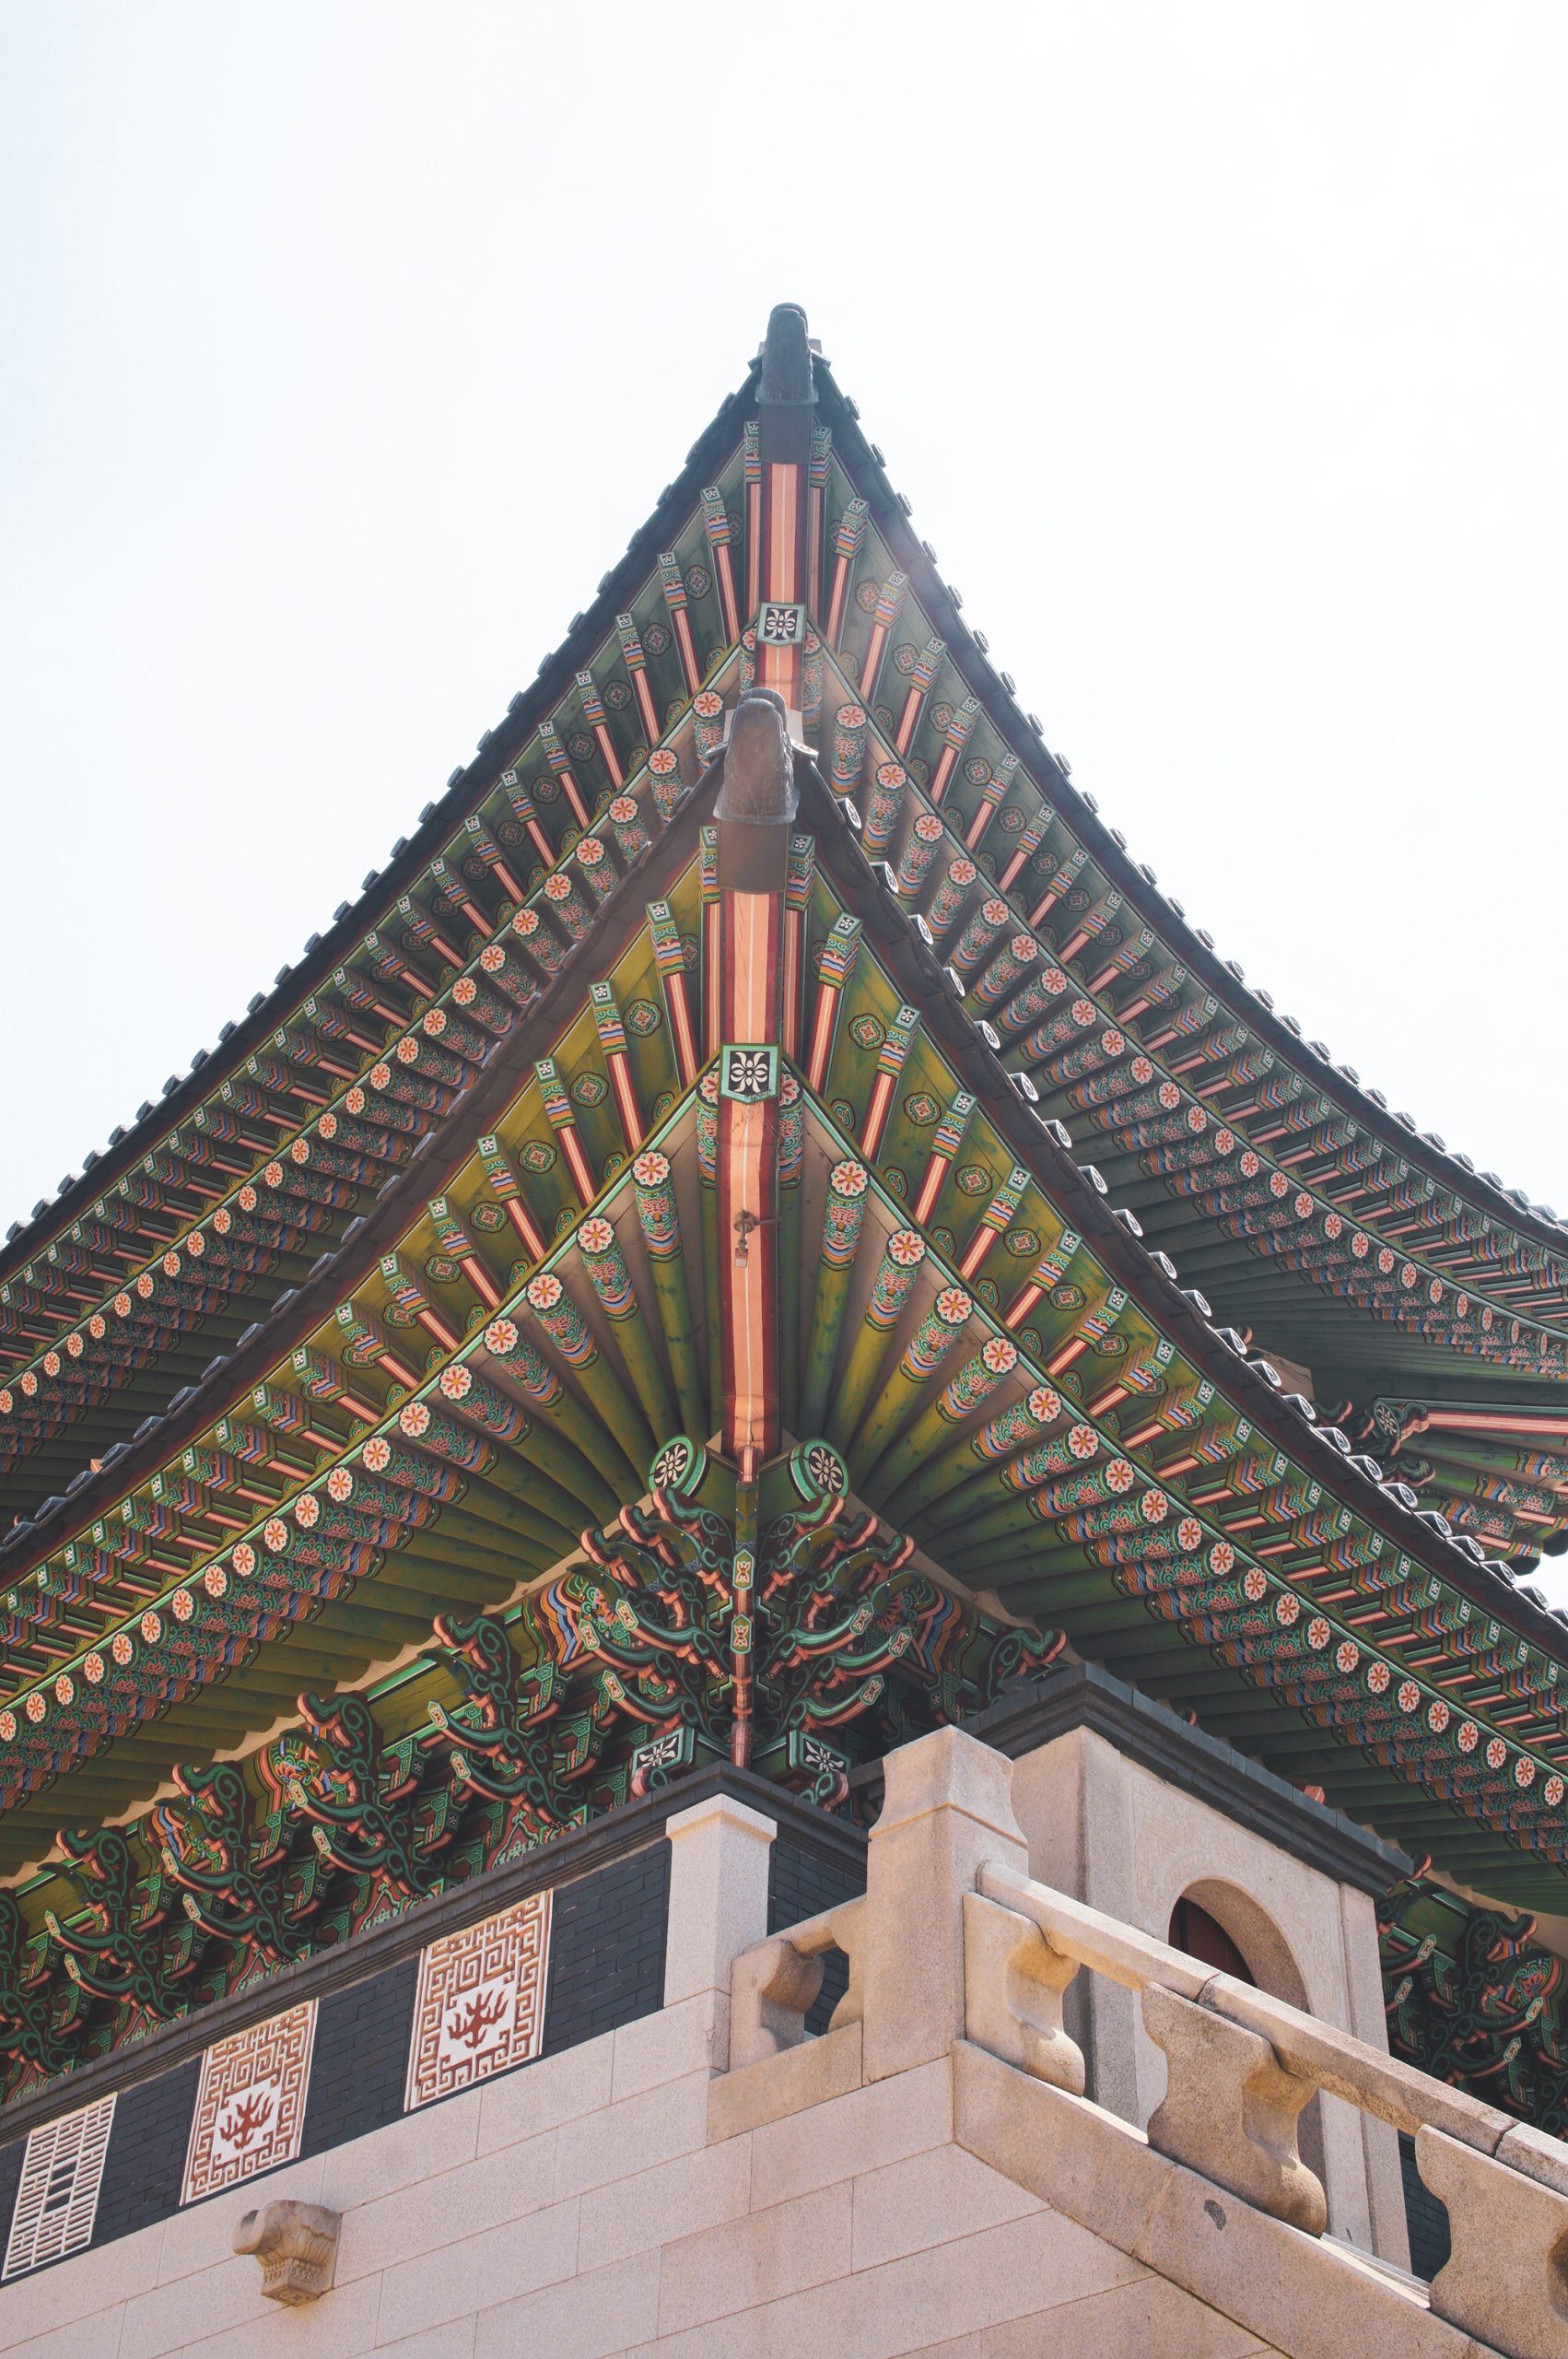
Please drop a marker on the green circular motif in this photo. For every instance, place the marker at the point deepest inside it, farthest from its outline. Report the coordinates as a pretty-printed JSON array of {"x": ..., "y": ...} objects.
[
  {"x": 487, "y": 1218},
  {"x": 536, "y": 1155},
  {"x": 564, "y": 1220},
  {"x": 893, "y": 1180},
  {"x": 614, "y": 1163},
  {"x": 843, "y": 1113},
  {"x": 1111, "y": 1347},
  {"x": 590, "y": 1089},
  {"x": 442, "y": 1270},
  {"x": 867, "y": 1033},
  {"x": 923, "y": 1109},
  {"x": 987, "y": 1290},
  {"x": 642, "y": 1017},
  {"x": 689, "y": 949},
  {"x": 661, "y": 1105},
  {"x": 944, "y": 1241},
  {"x": 1029, "y": 1341},
  {"x": 974, "y": 1178},
  {"x": 1067, "y": 1297},
  {"x": 1022, "y": 1240}
]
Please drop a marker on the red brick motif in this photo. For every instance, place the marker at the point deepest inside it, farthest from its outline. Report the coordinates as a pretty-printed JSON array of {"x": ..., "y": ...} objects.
[
  {"x": 480, "y": 2006},
  {"x": 249, "y": 2103}
]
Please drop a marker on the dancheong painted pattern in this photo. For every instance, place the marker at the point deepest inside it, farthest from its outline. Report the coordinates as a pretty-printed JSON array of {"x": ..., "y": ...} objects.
[{"x": 762, "y": 1227}]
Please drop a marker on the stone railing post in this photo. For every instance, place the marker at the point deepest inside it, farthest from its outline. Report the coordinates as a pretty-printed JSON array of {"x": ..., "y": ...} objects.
[
  {"x": 1230, "y": 2110},
  {"x": 718, "y": 1895},
  {"x": 947, "y": 1812},
  {"x": 774, "y": 1987},
  {"x": 1505, "y": 2279},
  {"x": 1014, "y": 1986}
]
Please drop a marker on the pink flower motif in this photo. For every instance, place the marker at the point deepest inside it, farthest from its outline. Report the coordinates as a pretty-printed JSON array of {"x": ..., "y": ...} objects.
[
  {"x": 1154, "y": 1506},
  {"x": 908, "y": 1248},
  {"x": 93, "y": 1668},
  {"x": 544, "y": 1291},
  {"x": 215, "y": 1580},
  {"x": 1287, "y": 1610},
  {"x": 1318, "y": 1634},
  {"x": 121, "y": 1648},
  {"x": 244, "y": 1560},
  {"x": 500, "y": 1337},
  {"x": 651, "y": 1170},
  {"x": 954, "y": 1306},
  {"x": 273, "y": 1174},
  {"x": 1222, "y": 1558},
  {"x": 414, "y": 1418},
  {"x": 1255, "y": 1584},
  {"x": 848, "y": 1179},
  {"x": 1045, "y": 1406},
  {"x": 182, "y": 1605},
  {"x": 457, "y": 1382},
  {"x": 465, "y": 991},
  {"x": 434, "y": 1022},
  {"x": 1496, "y": 1753},
  {"x": 34, "y": 1707},
  {"x": 307, "y": 1511},
  {"x": 1408, "y": 1695},
  {"x": 65, "y": 1689},
  {"x": 1083, "y": 1442},
  {"x": 1379, "y": 1678},
  {"x": 596, "y": 1236},
  {"x": 406, "y": 1049},
  {"x": 1437, "y": 1716},
  {"x": 998, "y": 1353},
  {"x": 275, "y": 1534},
  {"x": 1524, "y": 1771},
  {"x": 151, "y": 1627},
  {"x": 375, "y": 1454},
  {"x": 1120, "y": 1477},
  {"x": 1346, "y": 1654}
]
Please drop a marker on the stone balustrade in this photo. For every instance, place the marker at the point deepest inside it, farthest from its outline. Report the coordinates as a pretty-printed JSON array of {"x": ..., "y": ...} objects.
[{"x": 955, "y": 1944}]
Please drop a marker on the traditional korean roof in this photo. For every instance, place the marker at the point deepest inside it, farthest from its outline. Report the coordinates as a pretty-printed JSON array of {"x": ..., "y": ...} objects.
[{"x": 717, "y": 1323}]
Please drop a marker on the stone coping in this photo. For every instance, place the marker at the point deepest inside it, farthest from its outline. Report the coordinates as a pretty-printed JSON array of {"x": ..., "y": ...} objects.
[
  {"x": 1083, "y": 1696},
  {"x": 630, "y": 1827}
]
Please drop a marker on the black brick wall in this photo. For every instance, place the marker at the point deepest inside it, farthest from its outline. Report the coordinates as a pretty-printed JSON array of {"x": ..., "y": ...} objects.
[
  {"x": 606, "y": 1969},
  {"x": 361, "y": 2058},
  {"x": 801, "y": 1882},
  {"x": 607, "y": 1948},
  {"x": 146, "y": 2161},
  {"x": 1425, "y": 2217}
]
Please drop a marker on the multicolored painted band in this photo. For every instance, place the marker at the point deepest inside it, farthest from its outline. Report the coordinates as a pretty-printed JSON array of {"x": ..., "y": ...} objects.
[
  {"x": 708, "y": 724},
  {"x": 632, "y": 838},
  {"x": 844, "y": 1215},
  {"x": 792, "y": 1131},
  {"x": 547, "y": 953},
  {"x": 567, "y": 905},
  {"x": 977, "y": 1379},
  {"x": 921, "y": 848},
  {"x": 561, "y": 1319},
  {"x": 951, "y": 894},
  {"x": 665, "y": 778},
  {"x": 1011, "y": 963},
  {"x": 504, "y": 1340},
  {"x": 978, "y": 937},
  {"x": 606, "y": 1267},
  {"x": 850, "y": 731},
  {"x": 934, "y": 1337},
  {"x": 656, "y": 1208},
  {"x": 885, "y": 802},
  {"x": 901, "y": 1259}
]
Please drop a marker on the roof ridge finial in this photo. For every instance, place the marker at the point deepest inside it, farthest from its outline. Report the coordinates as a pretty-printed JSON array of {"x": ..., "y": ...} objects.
[{"x": 787, "y": 356}]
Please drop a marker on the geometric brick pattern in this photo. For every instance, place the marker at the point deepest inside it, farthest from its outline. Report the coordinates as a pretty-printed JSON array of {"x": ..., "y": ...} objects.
[
  {"x": 250, "y": 2102},
  {"x": 57, "y": 2199},
  {"x": 480, "y": 2005}
]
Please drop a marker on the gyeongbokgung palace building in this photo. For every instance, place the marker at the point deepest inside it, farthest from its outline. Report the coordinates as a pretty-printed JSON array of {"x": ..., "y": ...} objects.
[{"x": 760, "y": 1575}]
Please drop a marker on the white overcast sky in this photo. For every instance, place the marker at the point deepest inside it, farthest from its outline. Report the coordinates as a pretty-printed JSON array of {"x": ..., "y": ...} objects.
[{"x": 1219, "y": 348}]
